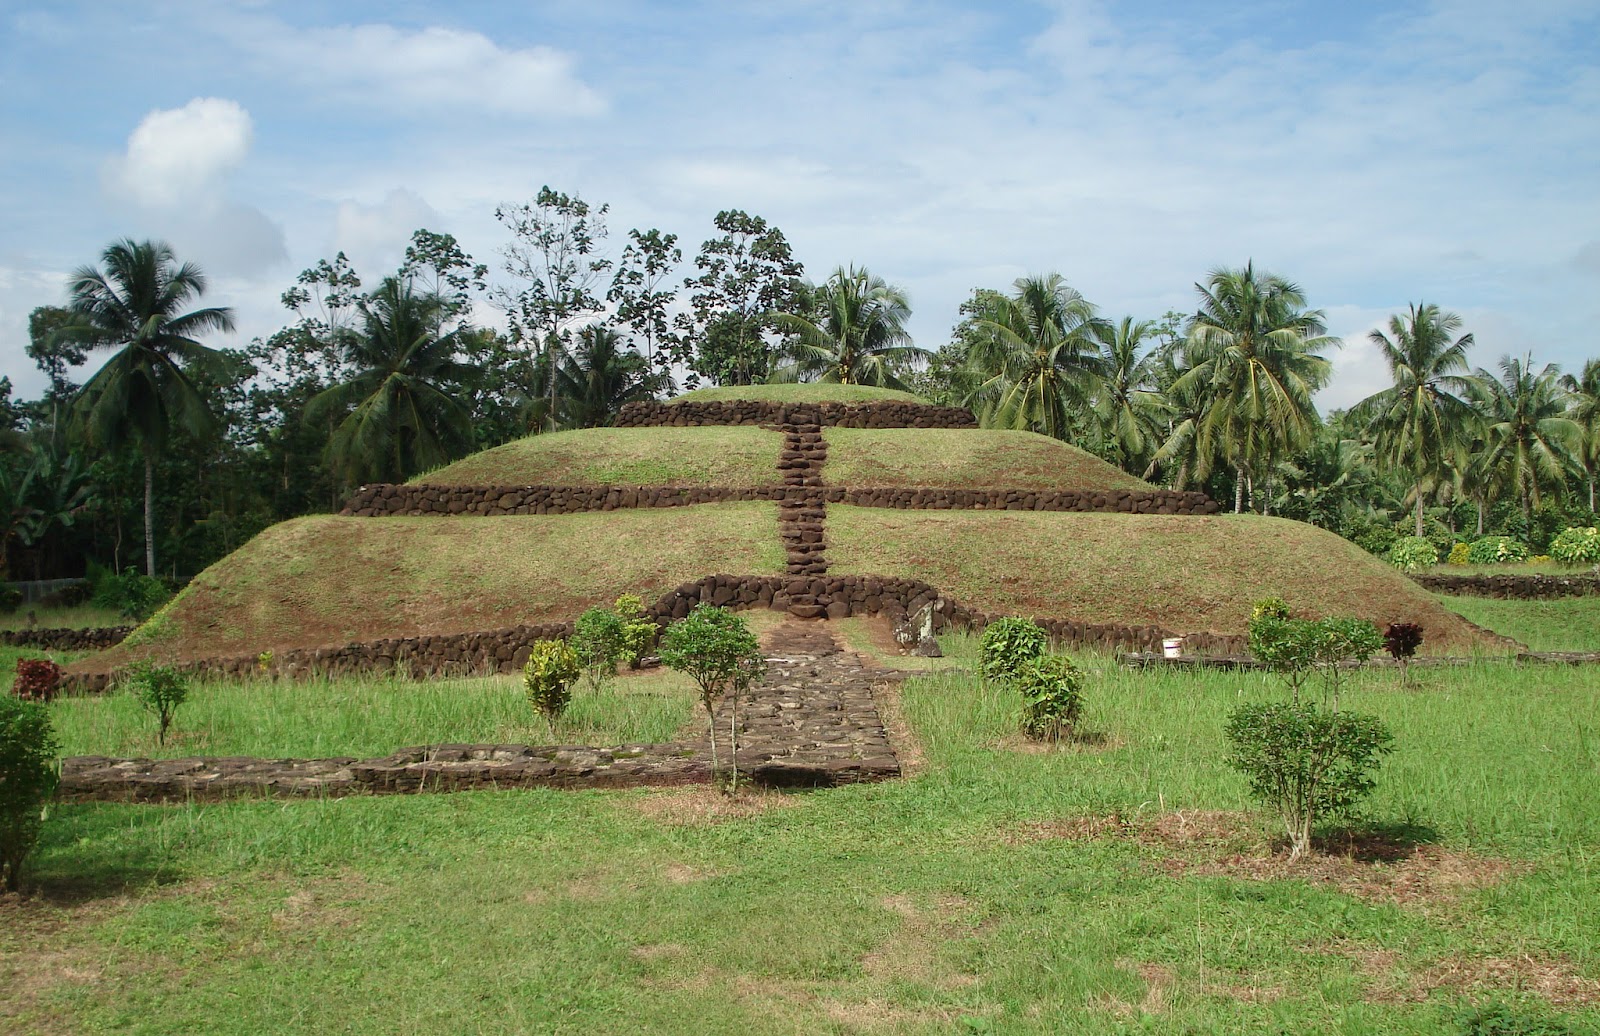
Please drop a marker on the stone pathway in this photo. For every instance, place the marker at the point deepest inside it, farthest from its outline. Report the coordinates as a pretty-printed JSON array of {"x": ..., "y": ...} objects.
[{"x": 812, "y": 723}]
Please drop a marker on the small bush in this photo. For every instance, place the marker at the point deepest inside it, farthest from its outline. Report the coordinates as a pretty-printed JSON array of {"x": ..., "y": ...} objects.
[
  {"x": 1306, "y": 762},
  {"x": 1459, "y": 555},
  {"x": 718, "y": 651},
  {"x": 1008, "y": 645},
  {"x": 598, "y": 639},
  {"x": 130, "y": 593},
  {"x": 1413, "y": 554},
  {"x": 10, "y": 599},
  {"x": 37, "y": 679},
  {"x": 1497, "y": 550},
  {"x": 28, "y": 777},
  {"x": 1052, "y": 696},
  {"x": 638, "y": 632},
  {"x": 159, "y": 688},
  {"x": 1402, "y": 639},
  {"x": 552, "y": 669},
  {"x": 1577, "y": 546}
]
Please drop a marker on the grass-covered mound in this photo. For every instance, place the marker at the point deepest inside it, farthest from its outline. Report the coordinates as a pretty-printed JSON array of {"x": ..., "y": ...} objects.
[
  {"x": 717, "y": 456},
  {"x": 327, "y": 580},
  {"x": 811, "y": 392},
  {"x": 965, "y": 458},
  {"x": 1188, "y": 574}
]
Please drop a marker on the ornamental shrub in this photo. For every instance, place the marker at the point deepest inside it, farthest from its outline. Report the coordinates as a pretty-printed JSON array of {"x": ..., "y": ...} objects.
[
  {"x": 1577, "y": 546},
  {"x": 1458, "y": 554},
  {"x": 718, "y": 651},
  {"x": 1497, "y": 550},
  {"x": 1008, "y": 645},
  {"x": 28, "y": 777},
  {"x": 1052, "y": 696},
  {"x": 1296, "y": 649},
  {"x": 638, "y": 632},
  {"x": 1305, "y": 761},
  {"x": 37, "y": 679},
  {"x": 597, "y": 637},
  {"x": 1413, "y": 553},
  {"x": 1402, "y": 639},
  {"x": 159, "y": 688},
  {"x": 131, "y": 593},
  {"x": 552, "y": 669}
]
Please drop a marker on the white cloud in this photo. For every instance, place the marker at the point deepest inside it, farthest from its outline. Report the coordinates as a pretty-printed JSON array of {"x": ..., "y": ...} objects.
[
  {"x": 177, "y": 155},
  {"x": 374, "y": 237}
]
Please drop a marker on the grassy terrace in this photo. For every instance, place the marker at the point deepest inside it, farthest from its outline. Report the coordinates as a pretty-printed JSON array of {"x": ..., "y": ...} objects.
[
  {"x": 1109, "y": 887},
  {"x": 732, "y": 456},
  {"x": 810, "y": 392},
  {"x": 1183, "y": 573},
  {"x": 960, "y": 458},
  {"x": 1556, "y": 624},
  {"x": 328, "y": 580}
]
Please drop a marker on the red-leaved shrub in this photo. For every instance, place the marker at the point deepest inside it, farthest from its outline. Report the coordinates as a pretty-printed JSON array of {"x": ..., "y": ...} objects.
[{"x": 37, "y": 679}]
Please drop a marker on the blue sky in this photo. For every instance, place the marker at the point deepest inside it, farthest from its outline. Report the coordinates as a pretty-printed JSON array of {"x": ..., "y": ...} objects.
[{"x": 1376, "y": 155}]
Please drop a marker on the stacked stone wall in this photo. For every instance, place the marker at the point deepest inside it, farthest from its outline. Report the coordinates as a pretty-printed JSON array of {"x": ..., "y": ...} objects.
[
  {"x": 1510, "y": 586},
  {"x": 882, "y": 413},
  {"x": 93, "y": 639}
]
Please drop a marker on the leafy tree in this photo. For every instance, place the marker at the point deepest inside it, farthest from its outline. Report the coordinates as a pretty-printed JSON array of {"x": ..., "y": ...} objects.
[
  {"x": 1038, "y": 352},
  {"x": 1251, "y": 351},
  {"x": 855, "y": 335},
  {"x": 437, "y": 263},
  {"x": 745, "y": 275},
  {"x": 399, "y": 414},
  {"x": 649, "y": 258},
  {"x": 1529, "y": 440},
  {"x": 553, "y": 251},
  {"x": 1421, "y": 423},
  {"x": 723, "y": 658},
  {"x": 28, "y": 777},
  {"x": 160, "y": 689},
  {"x": 147, "y": 388},
  {"x": 1584, "y": 411}
]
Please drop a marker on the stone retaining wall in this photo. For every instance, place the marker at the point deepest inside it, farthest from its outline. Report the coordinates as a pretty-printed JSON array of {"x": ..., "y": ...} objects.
[
  {"x": 883, "y": 413},
  {"x": 93, "y": 639},
  {"x": 384, "y": 501},
  {"x": 1510, "y": 586}
]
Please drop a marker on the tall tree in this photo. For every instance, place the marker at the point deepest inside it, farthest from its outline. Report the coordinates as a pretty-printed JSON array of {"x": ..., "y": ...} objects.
[
  {"x": 1584, "y": 394},
  {"x": 1128, "y": 408},
  {"x": 1252, "y": 354},
  {"x": 400, "y": 415},
  {"x": 145, "y": 390},
  {"x": 854, "y": 335},
  {"x": 1420, "y": 424},
  {"x": 1529, "y": 445},
  {"x": 1038, "y": 352},
  {"x": 553, "y": 251},
  {"x": 436, "y": 264},
  {"x": 649, "y": 258},
  {"x": 745, "y": 275},
  {"x": 600, "y": 374}
]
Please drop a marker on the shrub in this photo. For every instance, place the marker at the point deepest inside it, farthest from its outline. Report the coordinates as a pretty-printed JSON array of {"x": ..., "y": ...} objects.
[
  {"x": 28, "y": 777},
  {"x": 1458, "y": 554},
  {"x": 718, "y": 651},
  {"x": 10, "y": 599},
  {"x": 1052, "y": 695},
  {"x": 1577, "y": 546},
  {"x": 1413, "y": 553},
  {"x": 1402, "y": 639},
  {"x": 1008, "y": 645},
  {"x": 1497, "y": 550},
  {"x": 638, "y": 632},
  {"x": 551, "y": 671},
  {"x": 1307, "y": 762},
  {"x": 1296, "y": 649},
  {"x": 597, "y": 638},
  {"x": 37, "y": 679},
  {"x": 131, "y": 593},
  {"x": 159, "y": 688}
]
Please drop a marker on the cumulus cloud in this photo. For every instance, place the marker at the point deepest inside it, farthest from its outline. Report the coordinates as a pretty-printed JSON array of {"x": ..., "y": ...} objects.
[
  {"x": 183, "y": 154},
  {"x": 374, "y": 237}
]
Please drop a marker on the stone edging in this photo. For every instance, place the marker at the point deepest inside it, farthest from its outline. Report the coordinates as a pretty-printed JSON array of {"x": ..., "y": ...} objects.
[
  {"x": 67, "y": 639},
  {"x": 882, "y": 413},
  {"x": 1509, "y": 586}
]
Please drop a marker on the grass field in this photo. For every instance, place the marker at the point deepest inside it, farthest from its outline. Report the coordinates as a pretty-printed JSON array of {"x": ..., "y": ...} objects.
[
  {"x": 721, "y": 456},
  {"x": 964, "y": 458},
  {"x": 329, "y": 580},
  {"x": 81, "y": 616},
  {"x": 1556, "y": 624},
  {"x": 810, "y": 392},
  {"x": 1109, "y": 887},
  {"x": 1186, "y": 574}
]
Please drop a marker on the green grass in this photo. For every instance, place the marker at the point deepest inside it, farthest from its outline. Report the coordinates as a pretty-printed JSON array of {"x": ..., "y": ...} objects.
[
  {"x": 82, "y": 616},
  {"x": 371, "y": 717},
  {"x": 731, "y": 456},
  {"x": 965, "y": 458},
  {"x": 1553, "y": 624},
  {"x": 1184, "y": 574},
  {"x": 810, "y": 392},
  {"x": 928, "y": 905}
]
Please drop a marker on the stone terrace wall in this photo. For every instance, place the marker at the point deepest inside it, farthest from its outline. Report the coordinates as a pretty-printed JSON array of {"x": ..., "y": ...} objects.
[
  {"x": 95, "y": 639},
  {"x": 381, "y": 501},
  {"x": 883, "y": 413},
  {"x": 1508, "y": 586}
]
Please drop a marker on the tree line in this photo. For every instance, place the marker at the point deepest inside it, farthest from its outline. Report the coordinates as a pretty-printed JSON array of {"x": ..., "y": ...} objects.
[{"x": 173, "y": 452}]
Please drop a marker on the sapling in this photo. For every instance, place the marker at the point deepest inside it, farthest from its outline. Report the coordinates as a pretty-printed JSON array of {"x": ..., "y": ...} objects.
[
  {"x": 718, "y": 651},
  {"x": 159, "y": 688},
  {"x": 1401, "y": 640},
  {"x": 551, "y": 671},
  {"x": 597, "y": 638}
]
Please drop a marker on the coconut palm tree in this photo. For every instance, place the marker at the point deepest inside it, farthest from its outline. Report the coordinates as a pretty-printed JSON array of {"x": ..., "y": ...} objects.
[
  {"x": 144, "y": 390},
  {"x": 1038, "y": 351},
  {"x": 1584, "y": 394},
  {"x": 399, "y": 413},
  {"x": 1252, "y": 353},
  {"x": 855, "y": 336},
  {"x": 1529, "y": 443},
  {"x": 1128, "y": 408},
  {"x": 1420, "y": 424},
  {"x": 601, "y": 374}
]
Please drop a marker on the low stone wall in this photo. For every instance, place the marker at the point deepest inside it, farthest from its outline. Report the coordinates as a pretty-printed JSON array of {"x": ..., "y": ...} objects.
[
  {"x": 93, "y": 639},
  {"x": 387, "y": 501},
  {"x": 883, "y": 413},
  {"x": 1508, "y": 586}
]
